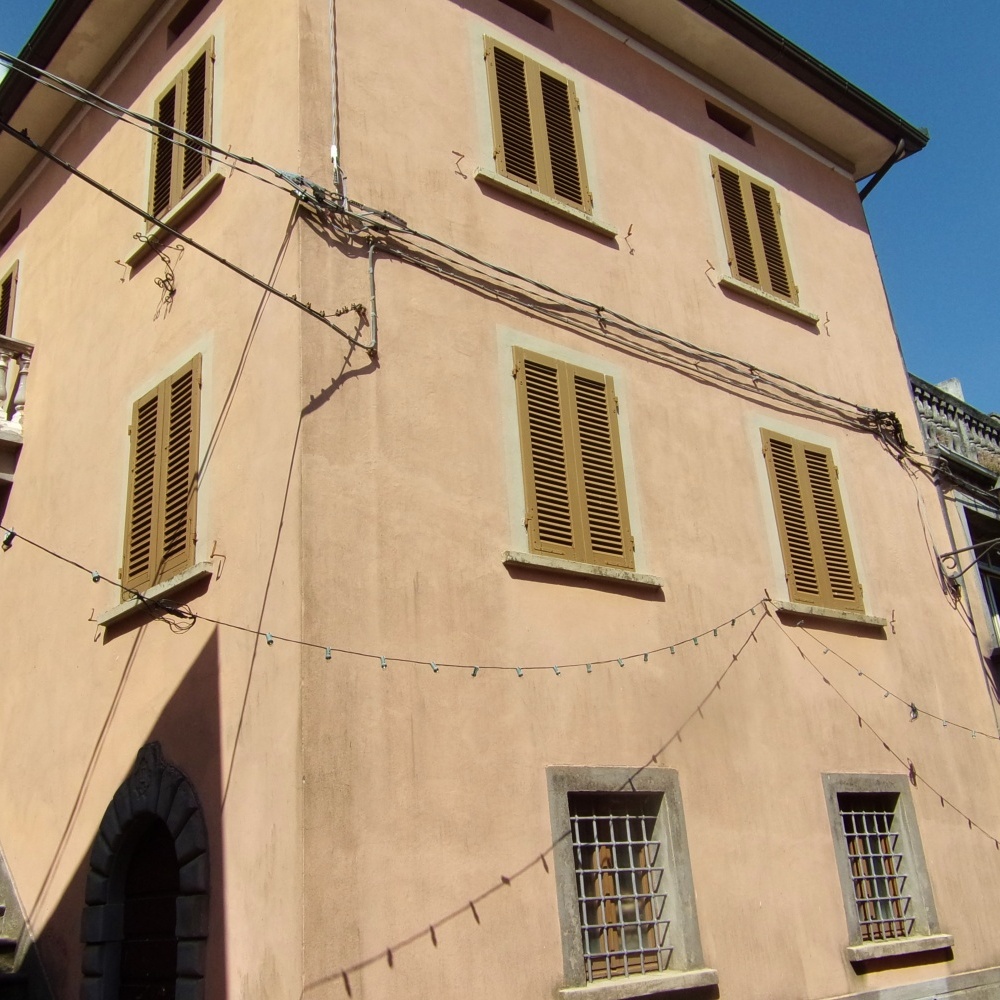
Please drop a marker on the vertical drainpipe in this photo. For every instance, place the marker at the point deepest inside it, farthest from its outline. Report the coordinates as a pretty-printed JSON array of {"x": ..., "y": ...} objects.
[{"x": 338, "y": 175}]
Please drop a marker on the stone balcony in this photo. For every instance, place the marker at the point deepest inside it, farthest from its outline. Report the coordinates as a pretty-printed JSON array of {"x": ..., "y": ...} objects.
[
  {"x": 15, "y": 359},
  {"x": 956, "y": 430}
]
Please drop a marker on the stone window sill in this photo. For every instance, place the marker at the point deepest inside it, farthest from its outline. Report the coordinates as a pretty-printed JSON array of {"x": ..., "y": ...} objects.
[
  {"x": 758, "y": 294},
  {"x": 834, "y": 614},
  {"x": 552, "y": 564},
  {"x": 900, "y": 946},
  {"x": 194, "y": 573},
  {"x": 157, "y": 234},
  {"x": 545, "y": 201},
  {"x": 651, "y": 985}
]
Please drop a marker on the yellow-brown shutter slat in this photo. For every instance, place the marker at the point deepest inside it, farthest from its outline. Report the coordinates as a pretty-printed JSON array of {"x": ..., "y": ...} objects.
[
  {"x": 516, "y": 152},
  {"x": 741, "y": 248},
  {"x": 603, "y": 496},
  {"x": 195, "y": 120},
  {"x": 180, "y": 457},
  {"x": 836, "y": 548},
  {"x": 562, "y": 139},
  {"x": 547, "y": 484},
  {"x": 141, "y": 529},
  {"x": 163, "y": 152},
  {"x": 793, "y": 521},
  {"x": 775, "y": 258}
]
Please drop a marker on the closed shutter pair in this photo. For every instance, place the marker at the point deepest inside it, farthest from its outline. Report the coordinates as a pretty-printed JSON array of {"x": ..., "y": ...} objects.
[
  {"x": 573, "y": 478},
  {"x": 163, "y": 477},
  {"x": 536, "y": 128},
  {"x": 179, "y": 163},
  {"x": 751, "y": 219},
  {"x": 815, "y": 546}
]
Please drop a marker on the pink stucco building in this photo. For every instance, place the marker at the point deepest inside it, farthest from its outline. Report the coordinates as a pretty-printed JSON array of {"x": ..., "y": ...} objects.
[{"x": 465, "y": 528}]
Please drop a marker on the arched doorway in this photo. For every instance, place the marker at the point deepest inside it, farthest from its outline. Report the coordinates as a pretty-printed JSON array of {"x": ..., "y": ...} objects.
[{"x": 146, "y": 920}]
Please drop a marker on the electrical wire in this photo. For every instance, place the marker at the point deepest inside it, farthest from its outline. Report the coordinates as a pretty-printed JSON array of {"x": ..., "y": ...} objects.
[
  {"x": 145, "y": 123},
  {"x": 383, "y": 227},
  {"x": 306, "y": 307}
]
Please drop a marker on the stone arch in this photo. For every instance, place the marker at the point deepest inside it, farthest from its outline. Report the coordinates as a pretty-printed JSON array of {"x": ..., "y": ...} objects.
[{"x": 156, "y": 795}]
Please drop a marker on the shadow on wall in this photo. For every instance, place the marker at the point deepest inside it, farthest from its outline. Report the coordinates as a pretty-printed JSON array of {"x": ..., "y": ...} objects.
[{"x": 148, "y": 900}]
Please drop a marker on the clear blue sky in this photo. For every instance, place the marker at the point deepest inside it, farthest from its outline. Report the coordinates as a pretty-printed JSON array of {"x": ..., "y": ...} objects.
[{"x": 932, "y": 217}]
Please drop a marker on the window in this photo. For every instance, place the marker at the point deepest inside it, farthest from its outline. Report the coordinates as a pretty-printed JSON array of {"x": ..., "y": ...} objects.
[
  {"x": 890, "y": 909},
  {"x": 626, "y": 901},
  {"x": 819, "y": 564},
  {"x": 163, "y": 475},
  {"x": 178, "y": 163},
  {"x": 536, "y": 127},
  {"x": 984, "y": 533},
  {"x": 573, "y": 480},
  {"x": 751, "y": 219},
  {"x": 8, "y": 289}
]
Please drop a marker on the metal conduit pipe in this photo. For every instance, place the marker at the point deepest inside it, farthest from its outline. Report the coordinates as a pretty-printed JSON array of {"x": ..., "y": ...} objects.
[{"x": 372, "y": 349}]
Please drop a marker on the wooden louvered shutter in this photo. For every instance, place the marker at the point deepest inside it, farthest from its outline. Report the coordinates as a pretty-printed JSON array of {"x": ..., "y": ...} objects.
[
  {"x": 536, "y": 127},
  {"x": 778, "y": 281},
  {"x": 604, "y": 515},
  {"x": 574, "y": 484},
  {"x": 815, "y": 546},
  {"x": 567, "y": 180},
  {"x": 8, "y": 288},
  {"x": 197, "y": 117},
  {"x": 162, "y": 490},
  {"x": 546, "y": 457},
  {"x": 513, "y": 137},
  {"x": 179, "y": 482},
  {"x": 163, "y": 153},
  {"x": 143, "y": 492},
  {"x": 751, "y": 220}
]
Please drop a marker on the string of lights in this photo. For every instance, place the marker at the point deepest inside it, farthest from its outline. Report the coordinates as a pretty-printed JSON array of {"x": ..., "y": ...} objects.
[
  {"x": 541, "y": 859},
  {"x": 187, "y": 618},
  {"x": 863, "y": 723},
  {"x": 915, "y": 712}
]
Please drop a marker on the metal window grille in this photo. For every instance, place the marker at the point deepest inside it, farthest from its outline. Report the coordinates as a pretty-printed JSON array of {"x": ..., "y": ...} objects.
[
  {"x": 620, "y": 883},
  {"x": 878, "y": 866}
]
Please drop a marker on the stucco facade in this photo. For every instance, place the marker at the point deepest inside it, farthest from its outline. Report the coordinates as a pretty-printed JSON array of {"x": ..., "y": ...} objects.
[{"x": 391, "y": 695}]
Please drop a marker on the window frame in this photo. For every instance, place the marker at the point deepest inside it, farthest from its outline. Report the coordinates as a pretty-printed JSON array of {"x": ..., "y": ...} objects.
[
  {"x": 980, "y": 533},
  {"x": 753, "y": 259},
  {"x": 585, "y": 523},
  {"x": 925, "y": 933},
  {"x": 177, "y": 184},
  {"x": 832, "y": 571},
  {"x": 685, "y": 968},
  {"x": 546, "y": 184},
  {"x": 149, "y": 470}
]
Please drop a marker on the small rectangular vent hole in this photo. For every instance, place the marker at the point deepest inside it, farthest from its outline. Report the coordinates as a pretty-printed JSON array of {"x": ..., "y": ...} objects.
[
  {"x": 10, "y": 229},
  {"x": 184, "y": 19},
  {"x": 730, "y": 122},
  {"x": 532, "y": 9}
]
